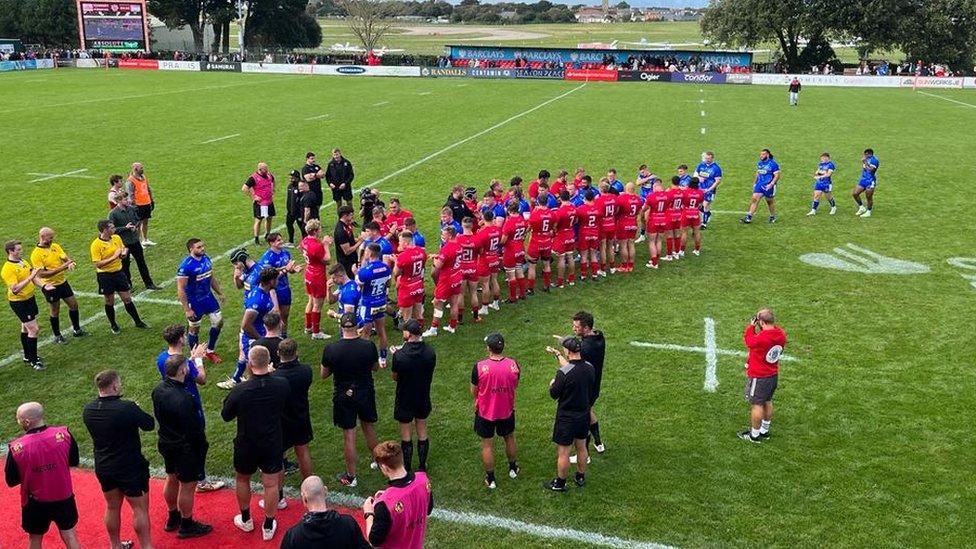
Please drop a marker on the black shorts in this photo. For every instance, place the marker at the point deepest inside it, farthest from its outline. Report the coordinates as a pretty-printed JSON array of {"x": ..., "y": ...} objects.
[
  {"x": 257, "y": 210},
  {"x": 185, "y": 462},
  {"x": 489, "y": 428},
  {"x": 61, "y": 291},
  {"x": 566, "y": 431},
  {"x": 266, "y": 457},
  {"x": 112, "y": 283},
  {"x": 144, "y": 212},
  {"x": 759, "y": 390},
  {"x": 344, "y": 194},
  {"x": 25, "y": 310},
  {"x": 296, "y": 435},
  {"x": 36, "y": 517},
  {"x": 409, "y": 410},
  {"x": 130, "y": 483},
  {"x": 347, "y": 409}
]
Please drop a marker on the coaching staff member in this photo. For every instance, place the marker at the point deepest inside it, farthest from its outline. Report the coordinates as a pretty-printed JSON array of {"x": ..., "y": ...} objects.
[
  {"x": 593, "y": 350},
  {"x": 38, "y": 461},
  {"x": 413, "y": 372},
  {"x": 493, "y": 384},
  {"x": 126, "y": 221},
  {"x": 296, "y": 422},
  {"x": 258, "y": 405},
  {"x": 762, "y": 371},
  {"x": 351, "y": 361},
  {"x": 183, "y": 445},
  {"x": 50, "y": 258},
  {"x": 573, "y": 388},
  {"x": 321, "y": 526},
  {"x": 312, "y": 174},
  {"x": 121, "y": 469},
  {"x": 339, "y": 176},
  {"x": 19, "y": 278},
  {"x": 346, "y": 241},
  {"x": 396, "y": 517}
]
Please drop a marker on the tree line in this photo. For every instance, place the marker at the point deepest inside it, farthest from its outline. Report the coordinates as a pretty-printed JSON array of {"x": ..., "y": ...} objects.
[{"x": 468, "y": 11}]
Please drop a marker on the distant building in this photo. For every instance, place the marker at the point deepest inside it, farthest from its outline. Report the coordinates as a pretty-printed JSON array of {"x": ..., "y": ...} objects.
[{"x": 592, "y": 14}]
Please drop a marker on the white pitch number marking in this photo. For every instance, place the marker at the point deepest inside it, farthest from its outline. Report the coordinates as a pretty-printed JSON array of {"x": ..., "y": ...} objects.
[
  {"x": 48, "y": 176},
  {"x": 862, "y": 260},
  {"x": 965, "y": 264}
]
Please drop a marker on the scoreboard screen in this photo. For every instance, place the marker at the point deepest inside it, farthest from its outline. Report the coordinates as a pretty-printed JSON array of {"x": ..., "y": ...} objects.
[{"x": 113, "y": 26}]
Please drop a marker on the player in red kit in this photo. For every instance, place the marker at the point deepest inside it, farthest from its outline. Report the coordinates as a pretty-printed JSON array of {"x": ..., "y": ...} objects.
[
  {"x": 559, "y": 184},
  {"x": 578, "y": 182},
  {"x": 469, "y": 268},
  {"x": 315, "y": 249},
  {"x": 490, "y": 261},
  {"x": 691, "y": 201},
  {"x": 471, "y": 201},
  {"x": 675, "y": 217},
  {"x": 447, "y": 273},
  {"x": 607, "y": 204},
  {"x": 540, "y": 246},
  {"x": 629, "y": 207},
  {"x": 409, "y": 276},
  {"x": 395, "y": 220},
  {"x": 656, "y": 214},
  {"x": 564, "y": 243},
  {"x": 588, "y": 241},
  {"x": 544, "y": 176},
  {"x": 513, "y": 258}
]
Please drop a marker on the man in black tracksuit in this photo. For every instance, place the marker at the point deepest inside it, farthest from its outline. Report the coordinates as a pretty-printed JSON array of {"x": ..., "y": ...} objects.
[
  {"x": 293, "y": 204},
  {"x": 413, "y": 371},
  {"x": 321, "y": 526},
  {"x": 594, "y": 351},
  {"x": 296, "y": 422},
  {"x": 339, "y": 176},
  {"x": 573, "y": 388}
]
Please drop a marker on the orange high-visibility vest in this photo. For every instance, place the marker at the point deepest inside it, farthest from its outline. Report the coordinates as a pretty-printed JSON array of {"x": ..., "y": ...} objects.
[{"x": 141, "y": 187}]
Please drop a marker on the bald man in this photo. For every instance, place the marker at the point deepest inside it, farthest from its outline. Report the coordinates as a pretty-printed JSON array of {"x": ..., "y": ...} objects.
[
  {"x": 321, "y": 526},
  {"x": 137, "y": 187},
  {"x": 260, "y": 187},
  {"x": 54, "y": 263},
  {"x": 765, "y": 341},
  {"x": 39, "y": 462}
]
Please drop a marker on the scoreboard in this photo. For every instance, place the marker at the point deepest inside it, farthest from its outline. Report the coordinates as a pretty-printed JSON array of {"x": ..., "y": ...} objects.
[{"x": 113, "y": 26}]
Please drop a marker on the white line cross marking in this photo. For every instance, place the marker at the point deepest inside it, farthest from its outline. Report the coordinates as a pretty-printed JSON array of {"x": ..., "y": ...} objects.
[
  {"x": 963, "y": 103},
  {"x": 48, "y": 176},
  {"x": 214, "y": 140}
]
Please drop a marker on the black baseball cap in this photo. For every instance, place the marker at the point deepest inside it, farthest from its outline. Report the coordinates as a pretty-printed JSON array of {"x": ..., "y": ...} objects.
[
  {"x": 295, "y": 173},
  {"x": 345, "y": 210},
  {"x": 348, "y": 320},
  {"x": 495, "y": 341},
  {"x": 571, "y": 344},
  {"x": 413, "y": 327}
]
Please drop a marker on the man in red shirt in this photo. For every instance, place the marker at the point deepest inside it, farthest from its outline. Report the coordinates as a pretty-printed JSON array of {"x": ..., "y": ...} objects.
[
  {"x": 628, "y": 207},
  {"x": 540, "y": 246},
  {"x": 409, "y": 276},
  {"x": 588, "y": 241},
  {"x": 691, "y": 200},
  {"x": 607, "y": 204},
  {"x": 315, "y": 249},
  {"x": 762, "y": 370},
  {"x": 471, "y": 201},
  {"x": 559, "y": 185},
  {"x": 447, "y": 273},
  {"x": 490, "y": 261},
  {"x": 564, "y": 244},
  {"x": 675, "y": 217},
  {"x": 469, "y": 268},
  {"x": 513, "y": 258},
  {"x": 656, "y": 213},
  {"x": 395, "y": 219},
  {"x": 534, "y": 185},
  {"x": 578, "y": 182}
]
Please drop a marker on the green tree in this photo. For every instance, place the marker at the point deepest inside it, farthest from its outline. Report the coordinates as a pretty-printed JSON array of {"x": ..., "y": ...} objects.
[
  {"x": 942, "y": 31},
  {"x": 622, "y": 5},
  {"x": 281, "y": 24},
  {"x": 183, "y": 13},
  {"x": 47, "y": 22}
]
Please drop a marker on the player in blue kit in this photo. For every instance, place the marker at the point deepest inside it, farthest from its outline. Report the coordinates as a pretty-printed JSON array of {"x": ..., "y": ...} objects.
[
  {"x": 869, "y": 178},
  {"x": 767, "y": 176},
  {"x": 373, "y": 236},
  {"x": 200, "y": 295},
  {"x": 345, "y": 292},
  {"x": 257, "y": 303},
  {"x": 823, "y": 184},
  {"x": 684, "y": 178},
  {"x": 616, "y": 185},
  {"x": 645, "y": 180},
  {"x": 709, "y": 177},
  {"x": 374, "y": 279},
  {"x": 245, "y": 275},
  {"x": 279, "y": 258}
]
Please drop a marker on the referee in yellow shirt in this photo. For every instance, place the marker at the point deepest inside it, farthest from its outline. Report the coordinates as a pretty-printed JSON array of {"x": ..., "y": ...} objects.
[
  {"x": 19, "y": 277},
  {"x": 107, "y": 252},
  {"x": 53, "y": 263}
]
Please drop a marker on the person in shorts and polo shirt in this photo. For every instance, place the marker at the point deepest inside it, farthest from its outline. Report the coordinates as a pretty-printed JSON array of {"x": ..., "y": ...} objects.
[
  {"x": 762, "y": 372},
  {"x": 351, "y": 362},
  {"x": 121, "y": 469},
  {"x": 19, "y": 278},
  {"x": 573, "y": 388},
  {"x": 413, "y": 371},
  {"x": 493, "y": 384},
  {"x": 107, "y": 251},
  {"x": 53, "y": 263}
]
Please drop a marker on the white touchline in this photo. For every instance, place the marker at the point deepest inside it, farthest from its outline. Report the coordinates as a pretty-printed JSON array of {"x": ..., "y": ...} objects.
[
  {"x": 381, "y": 103},
  {"x": 98, "y": 315},
  {"x": 214, "y": 140},
  {"x": 317, "y": 117},
  {"x": 424, "y": 93},
  {"x": 137, "y": 298},
  {"x": 711, "y": 358},
  {"x": 49, "y": 176},
  {"x": 948, "y": 99}
]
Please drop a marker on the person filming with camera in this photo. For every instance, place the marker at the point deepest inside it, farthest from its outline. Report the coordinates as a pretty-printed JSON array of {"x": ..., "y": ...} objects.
[{"x": 765, "y": 341}]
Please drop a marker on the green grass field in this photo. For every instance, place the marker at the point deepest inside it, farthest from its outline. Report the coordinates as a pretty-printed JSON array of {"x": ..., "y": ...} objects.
[{"x": 873, "y": 440}]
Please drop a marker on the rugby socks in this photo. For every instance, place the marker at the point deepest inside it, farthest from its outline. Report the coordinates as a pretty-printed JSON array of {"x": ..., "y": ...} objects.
[
  {"x": 513, "y": 466},
  {"x": 521, "y": 287},
  {"x": 706, "y": 216},
  {"x": 833, "y": 203},
  {"x": 316, "y": 321},
  {"x": 269, "y": 521},
  {"x": 192, "y": 339},
  {"x": 748, "y": 217},
  {"x": 489, "y": 476},
  {"x": 595, "y": 431},
  {"x": 423, "y": 447},
  {"x": 30, "y": 347},
  {"x": 512, "y": 284},
  {"x": 594, "y": 267},
  {"x": 75, "y": 317},
  {"x": 454, "y": 323},
  {"x": 246, "y": 514},
  {"x": 212, "y": 340},
  {"x": 546, "y": 279},
  {"x": 654, "y": 260},
  {"x": 764, "y": 428},
  {"x": 858, "y": 200},
  {"x": 531, "y": 284},
  {"x": 110, "y": 315},
  {"x": 56, "y": 326},
  {"x": 754, "y": 433},
  {"x": 474, "y": 311},
  {"x": 815, "y": 204},
  {"x": 239, "y": 372},
  {"x": 130, "y": 308},
  {"x": 438, "y": 314},
  {"x": 584, "y": 266},
  {"x": 407, "y": 447},
  {"x": 572, "y": 277}
]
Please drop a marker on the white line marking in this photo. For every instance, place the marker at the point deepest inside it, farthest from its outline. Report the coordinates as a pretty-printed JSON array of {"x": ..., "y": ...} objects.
[
  {"x": 702, "y": 101},
  {"x": 49, "y": 176},
  {"x": 703, "y": 350},
  {"x": 703, "y": 131},
  {"x": 214, "y": 140},
  {"x": 138, "y": 298},
  {"x": 711, "y": 359},
  {"x": 96, "y": 316},
  {"x": 140, "y": 95},
  {"x": 729, "y": 212},
  {"x": 703, "y": 113},
  {"x": 424, "y": 93},
  {"x": 381, "y": 103},
  {"x": 963, "y": 103},
  {"x": 317, "y": 117},
  {"x": 461, "y": 85}
]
